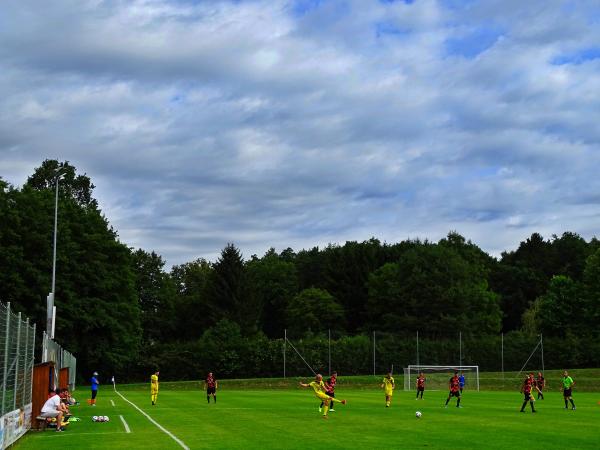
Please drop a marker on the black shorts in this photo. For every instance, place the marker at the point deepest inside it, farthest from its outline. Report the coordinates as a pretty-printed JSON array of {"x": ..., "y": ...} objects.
[
  {"x": 566, "y": 392},
  {"x": 331, "y": 394},
  {"x": 526, "y": 396},
  {"x": 211, "y": 390},
  {"x": 421, "y": 388},
  {"x": 454, "y": 394}
]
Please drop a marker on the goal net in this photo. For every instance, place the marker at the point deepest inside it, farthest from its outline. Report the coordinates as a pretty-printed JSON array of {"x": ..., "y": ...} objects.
[{"x": 438, "y": 376}]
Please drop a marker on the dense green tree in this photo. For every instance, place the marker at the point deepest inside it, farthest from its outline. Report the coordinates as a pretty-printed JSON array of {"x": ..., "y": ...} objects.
[
  {"x": 558, "y": 311},
  {"x": 432, "y": 288},
  {"x": 192, "y": 303},
  {"x": 230, "y": 296},
  {"x": 156, "y": 296},
  {"x": 274, "y": 282},
  {"x": 314, "y": 310}
]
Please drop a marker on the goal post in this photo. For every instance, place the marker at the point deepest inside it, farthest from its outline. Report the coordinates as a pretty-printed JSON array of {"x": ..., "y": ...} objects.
[{"x": 438, "y": 376}]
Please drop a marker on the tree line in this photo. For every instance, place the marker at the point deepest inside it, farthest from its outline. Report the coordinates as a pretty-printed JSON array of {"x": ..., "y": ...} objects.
[{"x": 122, "y": 311}]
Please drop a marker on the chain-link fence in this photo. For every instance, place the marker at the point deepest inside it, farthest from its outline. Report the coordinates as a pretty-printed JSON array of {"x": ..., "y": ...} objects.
[
  {"x": 17, "y": 341},
  {"x": 51, "y": 351}
]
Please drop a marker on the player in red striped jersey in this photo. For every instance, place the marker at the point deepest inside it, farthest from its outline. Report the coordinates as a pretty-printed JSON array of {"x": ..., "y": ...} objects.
[
  {"x": 211, "y": 386},
  {"x": 454, "y": 386},
  {"x": 421, "y": 385}
]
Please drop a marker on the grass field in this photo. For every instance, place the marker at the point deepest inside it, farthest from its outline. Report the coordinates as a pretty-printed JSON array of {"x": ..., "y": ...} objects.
[{"x": 288, "y": 418}]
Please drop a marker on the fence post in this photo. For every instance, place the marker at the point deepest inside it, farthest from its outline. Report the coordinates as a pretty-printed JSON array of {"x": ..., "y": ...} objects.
[
  {"x": 5, "y": 358},
  {"x": 502, "y": 337},
  {"x": 373, "y": 353},
  {"x": 16, "y": 391},
  {"x": 329, "y": 351},
  {"x": 542, "y": 345},
  {"x": 418, "y": 362},
  {"x": 26, "y": 368},
  {"x": 460, "y": 348}
]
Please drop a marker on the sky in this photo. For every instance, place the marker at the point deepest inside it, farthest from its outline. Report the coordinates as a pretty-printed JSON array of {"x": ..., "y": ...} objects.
[{"x": 285, "y": 123}]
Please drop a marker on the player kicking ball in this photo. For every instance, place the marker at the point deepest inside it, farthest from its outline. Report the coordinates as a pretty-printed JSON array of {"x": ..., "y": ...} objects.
[{"x": 319, "y": 388}]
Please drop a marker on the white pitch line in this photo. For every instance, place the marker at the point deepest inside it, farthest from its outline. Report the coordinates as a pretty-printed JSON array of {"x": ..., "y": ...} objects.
[
  {"x": 127, "y": 430},
  {"x": 112, "y": 403},
  {"x": 160, "y": 427}
]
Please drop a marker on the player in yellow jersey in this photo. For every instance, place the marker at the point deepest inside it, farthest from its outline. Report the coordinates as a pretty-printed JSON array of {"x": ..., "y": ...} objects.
[
  {"x": 319, "y": 388},
  {"x": 154, "y": 387},
  {"x": 389, "y": 385}
]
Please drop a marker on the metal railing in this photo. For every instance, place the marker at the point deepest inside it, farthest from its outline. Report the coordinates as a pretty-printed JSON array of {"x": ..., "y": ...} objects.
[{"x": 17, "y": 342}]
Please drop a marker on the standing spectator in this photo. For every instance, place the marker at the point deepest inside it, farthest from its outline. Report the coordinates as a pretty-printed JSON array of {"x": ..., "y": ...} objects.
[
  {"x": 95, "y": 383},
  {"x": 54, "y": 408}
]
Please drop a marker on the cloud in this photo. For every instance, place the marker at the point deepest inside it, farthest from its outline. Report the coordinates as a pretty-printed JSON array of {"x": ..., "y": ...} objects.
[{"x": 282, "y": 123}]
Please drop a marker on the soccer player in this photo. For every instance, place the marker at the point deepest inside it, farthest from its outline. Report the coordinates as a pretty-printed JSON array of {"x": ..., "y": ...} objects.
[
  {"x": 319, "y": 388},
  {"x": 95, "y": 383},
  {"x": 568, "y": 384},
  {"x": 421, "y": 385},
  {"x": 388, "y": 384},
  {"x": 541, "y": 384},
  {"x": 454, "y": 386},
  {"x": 461, "y": 381},
  {"x": 330, "y": 390},
  {"x": 526, "y": 388},
  {"x": 211, "y": 386},
  {"x": 154, "y": 387}
]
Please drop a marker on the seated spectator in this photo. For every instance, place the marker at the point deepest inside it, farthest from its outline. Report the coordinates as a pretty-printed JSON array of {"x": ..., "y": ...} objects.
[
  {"x": 53, "y": 408},
  {"x": 65, "y": 396}
]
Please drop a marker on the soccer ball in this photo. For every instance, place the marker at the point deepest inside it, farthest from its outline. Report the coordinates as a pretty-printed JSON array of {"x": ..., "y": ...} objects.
[
  {"x": 106, "y": 419},
  {"x": 418, "y": 414},
  {"x": 95, "y": 418}
]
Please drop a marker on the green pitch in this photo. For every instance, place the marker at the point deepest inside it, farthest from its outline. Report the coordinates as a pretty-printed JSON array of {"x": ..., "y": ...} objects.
[{"x": 288, "y": 418}]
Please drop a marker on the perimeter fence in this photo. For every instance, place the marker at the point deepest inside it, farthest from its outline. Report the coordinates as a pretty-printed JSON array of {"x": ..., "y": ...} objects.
[{"x": 17, "y": 342}]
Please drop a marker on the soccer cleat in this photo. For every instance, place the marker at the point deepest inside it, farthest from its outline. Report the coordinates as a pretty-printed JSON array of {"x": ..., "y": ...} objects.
[
  {"x": 343, "y": 403},
  {"x": 332, "y": 410},
  {"x": 320, "y": 409},
  {"x": 573, "y": 408}
]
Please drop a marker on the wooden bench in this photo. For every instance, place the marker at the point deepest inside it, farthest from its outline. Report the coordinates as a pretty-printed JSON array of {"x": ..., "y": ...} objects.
[{"x": 42, "y": 423}]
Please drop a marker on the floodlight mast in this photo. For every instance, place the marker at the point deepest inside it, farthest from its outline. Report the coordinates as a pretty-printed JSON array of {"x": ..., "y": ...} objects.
[{"x": 51, "y": 310}]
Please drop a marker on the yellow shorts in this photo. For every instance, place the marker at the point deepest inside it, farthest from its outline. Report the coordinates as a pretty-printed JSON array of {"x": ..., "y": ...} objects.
[
  {"x": 153, "y": 391},
  {"x": 322, "y": 396},
  {"x": 388, "y": 393}
]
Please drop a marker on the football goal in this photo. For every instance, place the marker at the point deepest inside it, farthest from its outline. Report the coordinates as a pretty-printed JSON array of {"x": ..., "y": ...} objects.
[{"x": 438, "y": 376}]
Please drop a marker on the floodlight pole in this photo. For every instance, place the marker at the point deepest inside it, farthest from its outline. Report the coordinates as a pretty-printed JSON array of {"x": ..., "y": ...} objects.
[{"x": 50, "y": 300}]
